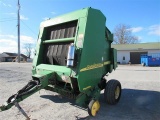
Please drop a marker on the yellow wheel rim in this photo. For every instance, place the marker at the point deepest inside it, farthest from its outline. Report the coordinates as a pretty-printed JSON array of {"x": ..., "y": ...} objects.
[
  {"x": 95, "y": 108},
  {"x": 117, "y": 92}
]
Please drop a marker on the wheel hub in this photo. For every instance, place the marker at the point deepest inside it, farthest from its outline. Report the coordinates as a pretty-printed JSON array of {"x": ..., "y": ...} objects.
[
  {"x": 117, "y": 92},
  {"x": 95, "y": 108}
]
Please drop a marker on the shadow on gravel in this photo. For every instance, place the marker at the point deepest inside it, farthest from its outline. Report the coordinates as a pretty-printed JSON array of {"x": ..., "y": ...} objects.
[
  {"x": 57, "y": 98},
  {"x": 60, "y": 99},
  {"x": 133, "y": 105}
]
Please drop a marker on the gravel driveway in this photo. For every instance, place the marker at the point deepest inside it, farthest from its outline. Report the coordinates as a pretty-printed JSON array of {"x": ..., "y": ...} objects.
[{"x": 140, "y": 98}]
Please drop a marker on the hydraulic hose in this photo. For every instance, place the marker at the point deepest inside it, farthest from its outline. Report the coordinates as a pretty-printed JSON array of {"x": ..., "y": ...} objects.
[{"x": 29, "y": 88}]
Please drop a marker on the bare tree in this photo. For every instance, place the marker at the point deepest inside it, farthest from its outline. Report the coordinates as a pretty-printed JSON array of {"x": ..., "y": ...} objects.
[
  {"x": 28, "y": 48},
  {"x": 123, "y": 35}
]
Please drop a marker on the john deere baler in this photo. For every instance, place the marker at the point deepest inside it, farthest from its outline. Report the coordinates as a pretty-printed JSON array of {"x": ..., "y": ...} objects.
[{"x": 73, "y": 56}]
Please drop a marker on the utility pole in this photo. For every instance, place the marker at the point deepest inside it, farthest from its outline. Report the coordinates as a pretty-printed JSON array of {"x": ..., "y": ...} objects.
[{"x": 18, "y": 26}]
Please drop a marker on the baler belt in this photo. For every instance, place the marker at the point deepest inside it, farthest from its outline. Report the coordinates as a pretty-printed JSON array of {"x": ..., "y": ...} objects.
[
  {"x": 62, "y": 59},
  {"x": 56, "y": 54},
  {"x": 65, "y": 30},
  {"x": 50, "y": 55},
  {"x": 59, "y": 54}
]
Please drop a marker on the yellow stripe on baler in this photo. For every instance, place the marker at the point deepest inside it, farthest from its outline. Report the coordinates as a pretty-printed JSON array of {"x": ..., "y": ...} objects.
[{"x": 94, "y": 66}]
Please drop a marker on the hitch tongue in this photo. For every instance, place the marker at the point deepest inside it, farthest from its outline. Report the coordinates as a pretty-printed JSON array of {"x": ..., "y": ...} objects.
[
  {"x": 3, "y": 107},
  {"x": 21, "y": 110}
]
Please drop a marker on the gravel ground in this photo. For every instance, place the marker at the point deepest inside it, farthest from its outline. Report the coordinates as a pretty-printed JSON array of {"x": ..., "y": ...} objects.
[{"x": 140, "y": 98}]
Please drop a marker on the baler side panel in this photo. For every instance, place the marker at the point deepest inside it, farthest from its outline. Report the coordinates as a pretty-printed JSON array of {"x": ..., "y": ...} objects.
[{"x": 93, "y": 56}]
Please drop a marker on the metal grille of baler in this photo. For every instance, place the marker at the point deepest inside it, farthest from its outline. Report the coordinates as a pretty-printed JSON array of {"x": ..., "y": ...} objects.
[
  {"x": 64, "y": 30},
  {"x": 56, "y": 53}
]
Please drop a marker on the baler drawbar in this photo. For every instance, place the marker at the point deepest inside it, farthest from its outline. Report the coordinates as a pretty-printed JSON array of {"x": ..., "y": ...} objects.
[{"x": 73, "y": 57}]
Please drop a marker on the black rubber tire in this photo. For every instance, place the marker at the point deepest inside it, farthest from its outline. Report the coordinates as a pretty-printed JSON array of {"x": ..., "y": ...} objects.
[{"x": 109, "y": 93}]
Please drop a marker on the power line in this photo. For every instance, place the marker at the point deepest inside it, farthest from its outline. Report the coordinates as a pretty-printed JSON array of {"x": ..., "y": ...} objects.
[
  {"x": 29, "y": 28},
  {"x": 7, "y": 20}
]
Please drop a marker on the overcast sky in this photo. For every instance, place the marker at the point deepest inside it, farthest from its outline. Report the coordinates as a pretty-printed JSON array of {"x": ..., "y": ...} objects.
[{"x": 142, "y": 15}]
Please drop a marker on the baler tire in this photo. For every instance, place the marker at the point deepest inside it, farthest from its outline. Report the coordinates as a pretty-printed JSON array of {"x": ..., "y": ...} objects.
[
  {"x": 112, "y": 92},
  {"x": 93, "y": 107}
]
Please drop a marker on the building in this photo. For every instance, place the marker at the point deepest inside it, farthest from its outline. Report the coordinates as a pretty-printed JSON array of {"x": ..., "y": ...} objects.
[
  {"x": 11, "y": 57},
  {"x": 132, "y": 52}
]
